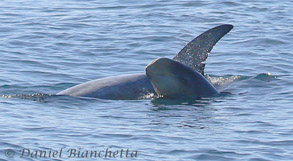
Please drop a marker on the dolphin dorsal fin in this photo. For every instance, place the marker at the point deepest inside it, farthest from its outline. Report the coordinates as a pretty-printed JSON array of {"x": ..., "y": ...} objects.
[{"x": 197, "y": 50}]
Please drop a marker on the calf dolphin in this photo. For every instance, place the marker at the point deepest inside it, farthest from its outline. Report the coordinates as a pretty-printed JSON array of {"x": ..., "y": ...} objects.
[
  {"x": 172, "y": 79},
  {"x": 136, "y": 86}
]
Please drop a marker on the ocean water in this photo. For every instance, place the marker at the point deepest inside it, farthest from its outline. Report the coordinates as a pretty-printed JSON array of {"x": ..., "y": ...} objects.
[{"x": 48, "y": 46}]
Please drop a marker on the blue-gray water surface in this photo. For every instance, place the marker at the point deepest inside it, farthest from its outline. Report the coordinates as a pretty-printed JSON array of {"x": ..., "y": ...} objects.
[{"x": 48, "y": 46}]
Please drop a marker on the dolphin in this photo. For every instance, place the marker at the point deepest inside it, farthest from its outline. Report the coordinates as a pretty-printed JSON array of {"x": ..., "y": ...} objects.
[
  {"x": 136, "y": 86},
  {"x": 172, "y": 79}
]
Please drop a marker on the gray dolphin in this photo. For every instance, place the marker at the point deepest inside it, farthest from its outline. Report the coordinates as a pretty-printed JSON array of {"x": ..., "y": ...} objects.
[
  {"x": 172, "y": 79},
  {"x": 136, "y": 86}
]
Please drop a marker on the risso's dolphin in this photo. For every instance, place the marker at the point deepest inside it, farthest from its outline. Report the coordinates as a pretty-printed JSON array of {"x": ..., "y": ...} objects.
[
  {"x": 172, "y": 79},
  {"x": 136, "y": 86}
]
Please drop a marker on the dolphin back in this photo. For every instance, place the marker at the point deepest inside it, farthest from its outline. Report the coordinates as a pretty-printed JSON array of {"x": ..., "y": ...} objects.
[
  {"x": 196, "y": 51},
  {"x": 172, "y": 79}
]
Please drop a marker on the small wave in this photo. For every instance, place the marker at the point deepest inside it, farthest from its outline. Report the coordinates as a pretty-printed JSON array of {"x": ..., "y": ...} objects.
[
  {"x": 224, "y": 80},
  {"x": 265, "y": 77},
  {"x": 263, "y": 41}
]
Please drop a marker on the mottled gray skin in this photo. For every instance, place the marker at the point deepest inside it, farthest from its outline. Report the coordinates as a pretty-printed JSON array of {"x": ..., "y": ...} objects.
[
  {"x": 136, "y": 86},
  {"x": 172, "y": 79},
  {"x": 197, "y": 51},
  {"x": 123, "y": 87}
]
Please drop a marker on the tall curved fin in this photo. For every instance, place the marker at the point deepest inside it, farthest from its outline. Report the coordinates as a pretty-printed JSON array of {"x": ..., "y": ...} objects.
[{"x": 197, "y": 50}]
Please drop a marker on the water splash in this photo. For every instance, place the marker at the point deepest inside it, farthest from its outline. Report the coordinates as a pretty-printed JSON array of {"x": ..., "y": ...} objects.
[
  {"x": 35, "y": 97},
  {"x": 222, "y": 80}
]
